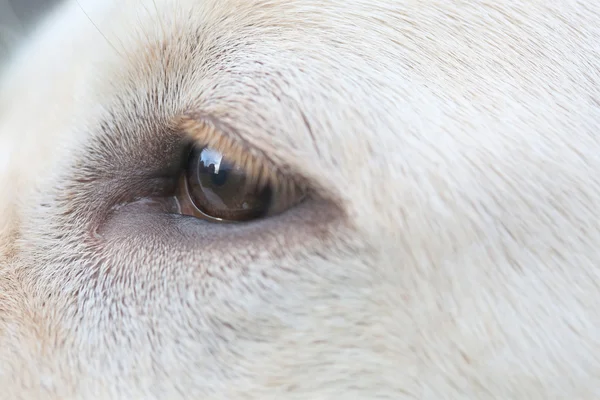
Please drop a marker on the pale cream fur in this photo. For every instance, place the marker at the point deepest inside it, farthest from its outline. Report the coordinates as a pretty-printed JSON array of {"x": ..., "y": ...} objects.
[{"x": 451, "y": 249}]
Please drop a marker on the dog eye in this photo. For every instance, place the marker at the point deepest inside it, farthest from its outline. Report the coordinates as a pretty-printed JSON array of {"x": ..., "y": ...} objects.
[{"x": 219, "y": 188}]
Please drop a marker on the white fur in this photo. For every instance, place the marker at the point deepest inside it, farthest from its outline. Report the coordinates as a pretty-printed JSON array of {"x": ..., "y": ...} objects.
[{"x": 452, "y": 251}]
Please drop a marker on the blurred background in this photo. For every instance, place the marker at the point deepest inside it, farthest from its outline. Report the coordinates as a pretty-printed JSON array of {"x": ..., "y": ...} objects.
[{"x": 16, "y": 18}]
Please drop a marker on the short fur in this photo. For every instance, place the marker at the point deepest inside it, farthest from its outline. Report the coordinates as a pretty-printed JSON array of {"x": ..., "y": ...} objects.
[{"x": 450, "y": 248}]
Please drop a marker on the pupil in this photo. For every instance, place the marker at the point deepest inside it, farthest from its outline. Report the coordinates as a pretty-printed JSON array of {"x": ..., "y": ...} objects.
[{"x": 220, "y": 178}]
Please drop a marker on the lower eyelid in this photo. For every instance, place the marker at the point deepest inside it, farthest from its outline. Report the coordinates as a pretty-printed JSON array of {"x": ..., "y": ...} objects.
[
  {"x": 149, "y": 220},
  {"x": 163, "y": 205}
]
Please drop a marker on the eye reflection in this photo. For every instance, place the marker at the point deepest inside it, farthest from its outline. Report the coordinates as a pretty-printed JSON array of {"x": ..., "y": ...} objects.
[
  {"x": 211, "y": 158},
  {"x": 210, "y": 162}
]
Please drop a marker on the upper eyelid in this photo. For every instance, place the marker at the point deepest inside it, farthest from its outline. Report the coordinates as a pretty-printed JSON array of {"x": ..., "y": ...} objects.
[{"x": 207, "y": 131}]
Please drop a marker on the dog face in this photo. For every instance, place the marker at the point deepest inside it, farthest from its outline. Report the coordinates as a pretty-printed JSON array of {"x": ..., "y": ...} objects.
[{"x": 419, "y": 223}]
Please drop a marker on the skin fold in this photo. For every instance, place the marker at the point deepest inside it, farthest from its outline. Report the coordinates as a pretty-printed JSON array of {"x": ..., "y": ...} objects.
[{"x": 448, "y": 246}]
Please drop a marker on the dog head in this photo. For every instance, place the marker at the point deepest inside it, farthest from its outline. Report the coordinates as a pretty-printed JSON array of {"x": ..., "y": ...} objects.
[{"x": 429, "y": 230}]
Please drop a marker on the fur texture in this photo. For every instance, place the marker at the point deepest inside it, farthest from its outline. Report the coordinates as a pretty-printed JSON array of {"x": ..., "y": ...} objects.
[{"x": 450, "y": 247}]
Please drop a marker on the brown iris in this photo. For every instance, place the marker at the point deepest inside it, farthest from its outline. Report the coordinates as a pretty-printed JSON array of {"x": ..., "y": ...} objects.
[{"x": 223, "y": 191}]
